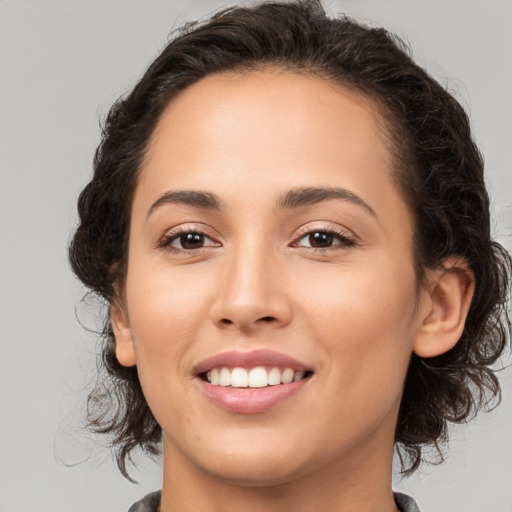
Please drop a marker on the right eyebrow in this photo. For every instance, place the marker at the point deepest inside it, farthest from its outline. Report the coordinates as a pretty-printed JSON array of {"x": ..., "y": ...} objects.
[{"x": 196, "y": 198}]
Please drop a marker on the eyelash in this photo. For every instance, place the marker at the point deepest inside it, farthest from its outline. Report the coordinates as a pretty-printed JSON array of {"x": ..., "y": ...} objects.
[{"x": 347, "y": 242}]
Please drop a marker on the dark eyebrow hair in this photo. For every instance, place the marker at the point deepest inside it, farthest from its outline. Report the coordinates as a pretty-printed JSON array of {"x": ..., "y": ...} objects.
[
  {"x": 311, "y": 195},
  {"x": 294, "y": 198},
  {"x": 195, "y": 198}
]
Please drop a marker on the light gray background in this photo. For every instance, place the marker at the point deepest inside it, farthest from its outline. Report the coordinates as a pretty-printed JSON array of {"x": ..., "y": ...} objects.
[{"x": 63, "y": 62}]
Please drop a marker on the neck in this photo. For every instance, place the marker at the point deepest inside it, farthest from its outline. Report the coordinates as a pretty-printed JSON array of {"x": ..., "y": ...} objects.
[{"x": 361, "y": 481}]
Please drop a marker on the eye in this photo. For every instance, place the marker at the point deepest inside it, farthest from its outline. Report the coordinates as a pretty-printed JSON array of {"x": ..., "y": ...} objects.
[
  {"x": 186, "y": 240},
  {"x": 319, "y": 240},
  {"x": 322, "y": 240}
]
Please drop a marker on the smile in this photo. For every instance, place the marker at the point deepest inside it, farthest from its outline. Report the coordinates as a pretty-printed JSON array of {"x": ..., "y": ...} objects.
[
  {"x": 258, "y": 377},
  {"x": 251, "y": 382}
]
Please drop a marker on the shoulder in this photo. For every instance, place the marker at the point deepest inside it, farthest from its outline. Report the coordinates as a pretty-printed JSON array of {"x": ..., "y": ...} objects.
[
  {"x": 147, "y": 504},
  {"x": 405, "y": 503}
]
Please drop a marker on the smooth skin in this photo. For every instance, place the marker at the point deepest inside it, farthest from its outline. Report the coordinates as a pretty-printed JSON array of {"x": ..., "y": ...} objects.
[{"x": 352, "y": 311}]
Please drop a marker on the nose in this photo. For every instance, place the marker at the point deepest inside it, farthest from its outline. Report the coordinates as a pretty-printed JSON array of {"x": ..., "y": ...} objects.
[{"x": 252, "y": 292}]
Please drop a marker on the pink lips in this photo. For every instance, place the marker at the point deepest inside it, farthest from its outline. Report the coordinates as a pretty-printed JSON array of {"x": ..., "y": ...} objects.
[{"x": 249, "y": 400}]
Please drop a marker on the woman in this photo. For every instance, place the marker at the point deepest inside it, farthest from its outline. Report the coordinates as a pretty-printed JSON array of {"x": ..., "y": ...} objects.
[{"x": 289, "y": 222}]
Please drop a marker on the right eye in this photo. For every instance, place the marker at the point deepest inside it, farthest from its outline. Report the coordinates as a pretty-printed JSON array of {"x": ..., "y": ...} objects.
[{"x": 186, "y": 241}]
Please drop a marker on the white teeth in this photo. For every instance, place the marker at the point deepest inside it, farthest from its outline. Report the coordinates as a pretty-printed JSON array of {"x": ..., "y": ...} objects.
[
  {"x": 287, "y": 376},
  {"x": 257, "y": 377},
  {"x": 239, "y": 378},
  {"x": 225, "y": 377},
  {"x": 274, "y": 376}
]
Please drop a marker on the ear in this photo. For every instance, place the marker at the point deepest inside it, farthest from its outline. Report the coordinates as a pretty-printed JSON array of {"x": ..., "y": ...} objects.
[
  {"x": 450, "y": 290},
  {"x": 125, "y": 350}
]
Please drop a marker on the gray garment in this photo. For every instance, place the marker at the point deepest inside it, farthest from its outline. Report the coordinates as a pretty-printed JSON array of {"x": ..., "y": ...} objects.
[
  {"x": 150, "y": 503},
  {"x": 405, "y": 503},
  {"x": 147, "y": 504}
]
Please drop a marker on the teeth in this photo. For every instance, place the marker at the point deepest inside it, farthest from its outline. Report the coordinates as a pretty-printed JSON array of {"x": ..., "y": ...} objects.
[
  {"x": 258, "y": 377},
  {"x": 287, "y": 376},
  {"x": 274, "y": 376},
  {"x": 298, "y": 376},
  {"x": 225, "y": 377},
  {"x": 239, "y": 378}
]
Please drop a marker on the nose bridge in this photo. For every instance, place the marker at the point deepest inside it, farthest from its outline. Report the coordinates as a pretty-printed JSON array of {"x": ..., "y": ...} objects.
[{"x": 251, "y": 289}]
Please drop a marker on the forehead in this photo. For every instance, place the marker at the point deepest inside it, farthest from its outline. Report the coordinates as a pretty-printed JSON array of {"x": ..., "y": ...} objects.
[
  {"x": 240, "y": 118},
  {"x": 258, "y": 103}
]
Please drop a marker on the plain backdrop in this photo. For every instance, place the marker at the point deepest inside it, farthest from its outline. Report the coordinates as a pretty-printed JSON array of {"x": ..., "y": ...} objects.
[{"x": 62, "y": 63}]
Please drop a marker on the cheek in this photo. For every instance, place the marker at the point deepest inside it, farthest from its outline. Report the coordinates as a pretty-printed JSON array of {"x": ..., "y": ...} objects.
[
  {"x": 165, "y": 310},
  {"x": 164, "y": 319},
  {"x": 368, "y": 301},
  {"x": 366, "y": 322}
]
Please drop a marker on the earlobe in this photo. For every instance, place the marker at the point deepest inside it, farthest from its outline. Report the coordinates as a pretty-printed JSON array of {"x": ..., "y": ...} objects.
[
  {"x": 125, "y": 350},
  {"x": 450, "y": 289}
]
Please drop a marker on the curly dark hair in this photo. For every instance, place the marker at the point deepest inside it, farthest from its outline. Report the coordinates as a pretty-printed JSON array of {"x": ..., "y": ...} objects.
[{"x": 439, "y": 171}]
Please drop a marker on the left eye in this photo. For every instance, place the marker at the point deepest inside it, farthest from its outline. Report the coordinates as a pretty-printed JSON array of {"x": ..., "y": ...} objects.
[{"x": 323, "y": 239}]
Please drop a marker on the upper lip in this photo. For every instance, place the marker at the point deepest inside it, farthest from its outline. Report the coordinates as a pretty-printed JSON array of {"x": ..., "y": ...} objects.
[{"x": 249, "y": 360}]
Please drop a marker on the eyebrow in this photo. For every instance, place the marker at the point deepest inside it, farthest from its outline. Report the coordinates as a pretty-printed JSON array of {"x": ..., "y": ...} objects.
[
  {"x": 294, "y": 198},
  {"x": 312, "y": 195}
]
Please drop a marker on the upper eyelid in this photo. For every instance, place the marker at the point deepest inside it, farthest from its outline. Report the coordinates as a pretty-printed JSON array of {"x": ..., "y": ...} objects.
[
  {"x": 301, "y": 231},
  {"x": 337, "y": 230},
  {"x": 187, "y": 229}
]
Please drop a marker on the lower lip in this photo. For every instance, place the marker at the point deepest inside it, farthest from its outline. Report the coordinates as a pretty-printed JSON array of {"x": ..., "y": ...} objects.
[{"x": 250, "y": 400}]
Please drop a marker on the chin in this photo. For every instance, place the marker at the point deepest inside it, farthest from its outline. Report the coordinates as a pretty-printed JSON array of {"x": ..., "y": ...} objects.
[
  {"x": 257, "y": 471},
  {"x": 254, "y": 462}
]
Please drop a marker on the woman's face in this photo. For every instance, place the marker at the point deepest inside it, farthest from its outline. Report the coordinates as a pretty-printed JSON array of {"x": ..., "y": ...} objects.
[{"x": 294, "y": 251}]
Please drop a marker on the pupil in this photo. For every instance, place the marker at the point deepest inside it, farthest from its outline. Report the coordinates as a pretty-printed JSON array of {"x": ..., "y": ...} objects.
[
  {"x": 190, "y": 240},
  {"x": 320, "y": 237}
]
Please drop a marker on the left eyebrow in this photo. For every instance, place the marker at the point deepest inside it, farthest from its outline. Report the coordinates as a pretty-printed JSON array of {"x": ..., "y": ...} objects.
[{"x": 294, "y": 198}]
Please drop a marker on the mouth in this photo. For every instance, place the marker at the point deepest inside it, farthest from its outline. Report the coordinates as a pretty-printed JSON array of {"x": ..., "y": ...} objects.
[
  {"x": 251, "y": 382},
  {"x": 256, "y": 377}
]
